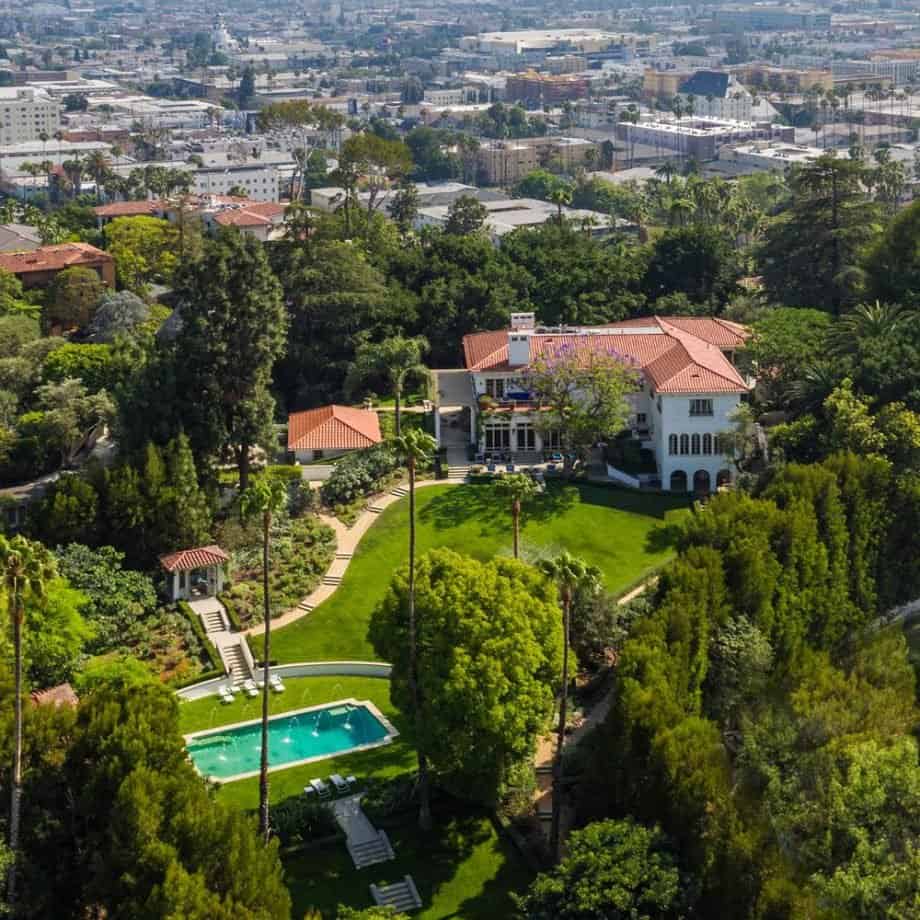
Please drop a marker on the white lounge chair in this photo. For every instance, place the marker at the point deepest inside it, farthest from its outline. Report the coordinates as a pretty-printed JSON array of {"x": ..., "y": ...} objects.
[
  {"x": 352, "y": 781},
  {"x": 322, "y": 789},
  {"x": 275, "y": 682},
  {"x": 250, "y": 688},
  {"x": 225, "y": 695},
  {"x": 309, "y": 791},
  {"x": 340, "y": 784}
]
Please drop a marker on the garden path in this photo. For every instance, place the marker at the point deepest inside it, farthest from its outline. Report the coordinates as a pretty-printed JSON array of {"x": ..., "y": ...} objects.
[{"x": 347, "y": 540}]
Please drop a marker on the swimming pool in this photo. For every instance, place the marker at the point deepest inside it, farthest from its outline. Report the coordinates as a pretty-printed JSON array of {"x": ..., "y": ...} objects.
[{"x": 233, "y": 751}]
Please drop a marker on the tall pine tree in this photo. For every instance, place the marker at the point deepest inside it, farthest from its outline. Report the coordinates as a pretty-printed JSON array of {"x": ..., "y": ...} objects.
[{"x": 234, "y": 328}]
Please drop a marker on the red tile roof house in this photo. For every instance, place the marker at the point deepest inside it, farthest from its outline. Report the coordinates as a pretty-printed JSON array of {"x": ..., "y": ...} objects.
[
  {"x": 331, "y": 431},
  {"x": 688, "y": 388},
  {"x": 37, "y": 267}
]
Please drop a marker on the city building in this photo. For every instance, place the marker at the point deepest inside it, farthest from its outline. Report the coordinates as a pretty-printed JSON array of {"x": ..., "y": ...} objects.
[
  {"x": 430, "y": 194},
  {"x": 767, "y": 78},
  {"x": 536, "y": 89},
  {"x": 505, "y": 162},
  {"x": 258, "y": 181},
  {"x": 688, "y": 388},
  {"x": 508, "y": 214},
  {"x": 699, "y": 137},
  {"x": 764, "y": 18},
  {"x": 769, "y": 156},
  {"x": 26, "y": 114}
]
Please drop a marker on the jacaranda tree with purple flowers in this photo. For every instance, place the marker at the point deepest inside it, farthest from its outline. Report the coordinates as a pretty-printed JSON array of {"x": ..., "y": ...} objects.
[{"x": 582, "y": 393}]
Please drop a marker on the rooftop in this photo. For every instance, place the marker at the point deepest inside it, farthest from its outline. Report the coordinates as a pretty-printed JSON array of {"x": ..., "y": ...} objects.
[
  {"x": 333, "y": 428},
  {"x": 676, "y": 354},
  {"x": 52, "y": 258},
  {"x": 186, "y": 560}
]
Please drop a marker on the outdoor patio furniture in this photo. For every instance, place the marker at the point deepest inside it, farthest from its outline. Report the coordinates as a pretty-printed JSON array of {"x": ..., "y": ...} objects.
[
  {"x": 510, "y": 468},
  {"x": 276, "y": 683},
  {"x": 308, "y": 791},
  {"x": 250, "y": 688},
  {"x": 352, "y": 781},
  {"x": 225, "y": 695},
  {"x": 322, "y": 789},
  {"x": 491, "y": 467},
  {"x": 340, "y": 785}
]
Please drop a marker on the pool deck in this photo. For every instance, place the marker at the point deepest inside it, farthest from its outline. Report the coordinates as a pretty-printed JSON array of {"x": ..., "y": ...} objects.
[{"x": 392, "y": 732}]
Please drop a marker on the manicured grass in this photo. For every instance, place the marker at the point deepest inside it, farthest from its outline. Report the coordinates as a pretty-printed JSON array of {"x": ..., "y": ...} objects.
[
  {"x": 462, "y": 869},
  {"x": 389, "y": 760},
  {"x": 623, "y": 533}
]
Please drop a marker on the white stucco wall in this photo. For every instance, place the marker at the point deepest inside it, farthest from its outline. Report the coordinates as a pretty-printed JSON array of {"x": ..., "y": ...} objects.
[{"x": 675, "y": 418}]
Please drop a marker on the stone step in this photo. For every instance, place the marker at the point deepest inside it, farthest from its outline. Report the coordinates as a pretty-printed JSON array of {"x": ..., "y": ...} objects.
[
  {"x": 303, "y": 605},
  {"x": 344, "y": 555},
  {"x": 370, "y": 853},
  {"x": 400, "y": 492},
  {"x": 402, "y": 895},
  {"x": 332, "y": 579},
  {"x": 375, "y": 509}
]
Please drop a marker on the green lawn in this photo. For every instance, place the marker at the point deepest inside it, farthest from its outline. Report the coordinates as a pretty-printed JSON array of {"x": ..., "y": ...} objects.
[
  {"x": 623, "y": 533},
  {"x": 389, "y": 760},
  {"x": 462, "y": 869}
]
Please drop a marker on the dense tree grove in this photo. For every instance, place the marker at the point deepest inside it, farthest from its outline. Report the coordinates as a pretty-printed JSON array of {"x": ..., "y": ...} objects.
[{"x": 757, "y": 687}]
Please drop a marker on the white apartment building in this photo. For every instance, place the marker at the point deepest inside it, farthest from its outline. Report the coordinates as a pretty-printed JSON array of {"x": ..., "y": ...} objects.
[
  {"x": 687, "y": 389},
  {"x": 26, "y": 114},
  {"x": 260, "y": 181}
]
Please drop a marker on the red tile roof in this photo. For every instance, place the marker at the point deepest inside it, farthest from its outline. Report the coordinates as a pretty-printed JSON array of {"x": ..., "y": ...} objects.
[
  {"x": 675, "y": 359},
  {"x": 61, "y": 695},
  {"x": 257, "y": 214},
  {"x": 333, "y": 428},
  {"x": 129, "y": 208},
  {"x": 187, "y": 559},
  {"x": 52, "y": 258}
]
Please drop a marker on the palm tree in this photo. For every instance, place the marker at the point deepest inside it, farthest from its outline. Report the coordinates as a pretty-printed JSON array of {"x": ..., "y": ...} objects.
[
  {"x": 571, "y": 575},
  {"x": 264, "y": 497},
  {"x": 869, "y": 321},
  {"x": 666, "y": 171},
  {"x": 396, "y": 359},
  {"x": 415, "y": 446},
  {"x": 97, "y": 163},
  {"x": 26, "y": 569},
  {"x": 518, "y": 488},
  {"x": 560, "y": 195}
]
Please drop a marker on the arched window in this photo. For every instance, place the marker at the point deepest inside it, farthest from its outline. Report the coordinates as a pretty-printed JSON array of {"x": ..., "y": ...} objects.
[
  {"x": 707, "y": 443},
  {"x": 672, "y": 443},
  {"x": 685, "y": 444},
  {"x": 695, "y": 444},
  {"x": 678, "y": 481}
]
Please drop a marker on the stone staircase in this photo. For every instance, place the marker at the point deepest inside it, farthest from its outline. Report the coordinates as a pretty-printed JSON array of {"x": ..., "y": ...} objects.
[
  {"x": 305, "y": 607},
  {"x": 213, "y": 621},
  {"x": 402, "y": 896},
  {"x": 370, "y": 852},
  {"x": 376, "y": 509},
  {"x": 400, "y": 491},
  {"x": 235, "y": 662},
  {"x": 458, "y": 472},
  {"x": 332, "y": 580}
]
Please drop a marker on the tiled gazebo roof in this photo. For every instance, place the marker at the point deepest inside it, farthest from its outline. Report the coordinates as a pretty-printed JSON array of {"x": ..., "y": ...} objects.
[{"x": 187, "y": 559}]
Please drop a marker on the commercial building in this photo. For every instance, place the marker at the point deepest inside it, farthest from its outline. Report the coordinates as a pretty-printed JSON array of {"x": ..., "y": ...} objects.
[
  {"x": 504, "y": 215},
  {"x": 430, "y": 194},
  {"x": 536, "y": 90},
  {"x": 26, "y": 114},
  {"x": 259, "y": 181},
  {"x": 698, "y": 137},
  {"x": 505, "y": 162},
  {"x": 768, "y": 156},
  {"x": 766, "y": 77},
  {"x": 765, "y": 18},
  {"x": 551, "y": 40}
]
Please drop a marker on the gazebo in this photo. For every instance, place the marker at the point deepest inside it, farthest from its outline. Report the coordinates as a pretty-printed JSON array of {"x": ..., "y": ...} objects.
[{"x": 194, "y": 573}]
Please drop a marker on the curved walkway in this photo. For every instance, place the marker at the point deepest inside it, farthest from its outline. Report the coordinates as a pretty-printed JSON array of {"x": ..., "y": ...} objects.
[{"x": 347, "y": 540}]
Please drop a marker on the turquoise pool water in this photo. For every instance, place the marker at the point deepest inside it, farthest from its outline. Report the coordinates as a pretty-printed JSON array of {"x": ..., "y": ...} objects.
[{"x": 300, "y": 736}]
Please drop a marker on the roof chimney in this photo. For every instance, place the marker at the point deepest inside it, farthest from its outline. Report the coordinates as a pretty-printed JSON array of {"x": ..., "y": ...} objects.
[
  {"x": 523, "y": 320},
  {"x": 519, "y": 347}
]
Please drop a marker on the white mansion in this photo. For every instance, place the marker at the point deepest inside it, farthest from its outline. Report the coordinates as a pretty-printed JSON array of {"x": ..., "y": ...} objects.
[{"x": 688, "y": 388}]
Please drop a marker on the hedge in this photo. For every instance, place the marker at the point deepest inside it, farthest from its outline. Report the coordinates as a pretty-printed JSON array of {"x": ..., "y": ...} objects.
[{"x": 208, "y": 646}]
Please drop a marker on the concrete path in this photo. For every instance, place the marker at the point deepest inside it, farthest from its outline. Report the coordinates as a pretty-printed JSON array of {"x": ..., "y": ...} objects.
[
  {"x": 354, "y": 823},
  {"x": 347, "y": 540}
]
